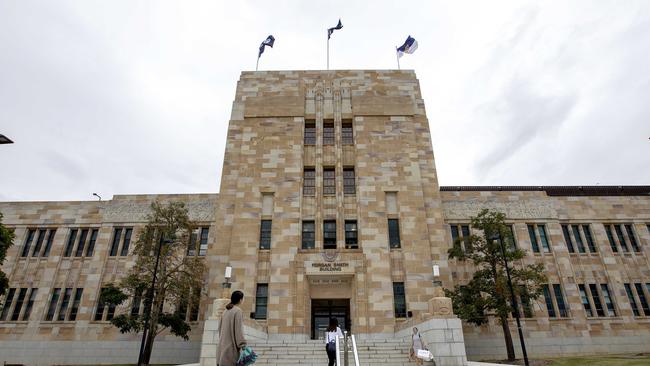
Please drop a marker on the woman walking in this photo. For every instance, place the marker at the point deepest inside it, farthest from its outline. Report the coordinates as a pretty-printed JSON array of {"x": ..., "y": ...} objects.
[
  {"x": 332, "y": 332},
  {"x": 231, "y": 332},
  {"x": 417, "y": 344}
]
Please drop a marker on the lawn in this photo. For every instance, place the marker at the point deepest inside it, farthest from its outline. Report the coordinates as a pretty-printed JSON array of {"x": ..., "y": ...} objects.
[{"x": 622, "y": 360}]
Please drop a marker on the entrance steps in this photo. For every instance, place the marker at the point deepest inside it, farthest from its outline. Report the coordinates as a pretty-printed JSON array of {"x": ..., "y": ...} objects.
[{"x": 312, "y": 352}]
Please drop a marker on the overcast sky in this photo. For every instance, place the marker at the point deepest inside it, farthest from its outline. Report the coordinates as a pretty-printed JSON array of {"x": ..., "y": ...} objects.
[{"x": 119, "y": 97}]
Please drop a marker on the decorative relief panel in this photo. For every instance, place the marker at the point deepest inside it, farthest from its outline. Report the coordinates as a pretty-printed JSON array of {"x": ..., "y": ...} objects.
[
  {"x": 138, "y": 211},
  {"x": 525, "y": 209}
]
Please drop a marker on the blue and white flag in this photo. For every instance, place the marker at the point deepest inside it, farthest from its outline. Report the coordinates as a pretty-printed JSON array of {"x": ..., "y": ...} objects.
[
  {"x": 331, "y": 30},
  {"x": 267, "y": 42},
  {"x": 409, "y": 46}
]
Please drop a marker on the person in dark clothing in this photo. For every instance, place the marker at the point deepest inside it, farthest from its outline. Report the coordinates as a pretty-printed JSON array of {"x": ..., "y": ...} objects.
[{"x": 332, "y": 332}]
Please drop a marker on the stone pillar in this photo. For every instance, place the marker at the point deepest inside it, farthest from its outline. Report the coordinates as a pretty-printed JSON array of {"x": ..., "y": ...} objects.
[{"x": 211, "y": 333}]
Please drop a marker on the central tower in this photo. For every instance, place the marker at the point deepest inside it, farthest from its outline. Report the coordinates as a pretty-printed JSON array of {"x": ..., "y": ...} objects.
[{"x": 329, "y": 203}]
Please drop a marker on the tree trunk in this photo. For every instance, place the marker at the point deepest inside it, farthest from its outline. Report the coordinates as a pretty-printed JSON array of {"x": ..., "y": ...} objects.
[
  {"x": 148, "y": 347},
  {"x": 508, "y": 338}
]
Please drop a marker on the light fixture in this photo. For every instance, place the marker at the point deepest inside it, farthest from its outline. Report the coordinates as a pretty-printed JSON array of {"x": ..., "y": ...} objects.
[
  {"x": 227, "y": 276},
  {"x": 436, "y": 276}
]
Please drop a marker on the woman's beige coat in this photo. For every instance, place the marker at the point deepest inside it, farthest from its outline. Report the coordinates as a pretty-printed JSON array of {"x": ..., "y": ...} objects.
[{"x": 231, "y": 337}]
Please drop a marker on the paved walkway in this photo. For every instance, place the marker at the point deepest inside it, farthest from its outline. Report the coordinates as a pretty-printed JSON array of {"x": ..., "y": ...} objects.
[{"x": 474, "y": 363}]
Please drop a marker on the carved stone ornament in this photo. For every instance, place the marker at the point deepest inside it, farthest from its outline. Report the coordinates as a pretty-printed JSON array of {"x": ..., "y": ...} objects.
[
  {"x": 330, "y": 255},
  {"x": 522, "y": 209},
  {"x": 138, "y": 211},
  {"x": 441, "y": 307}
]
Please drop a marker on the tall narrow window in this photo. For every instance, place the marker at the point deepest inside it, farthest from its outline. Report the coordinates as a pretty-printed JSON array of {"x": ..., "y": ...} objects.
[
  {"x": 70, "y": 244},
  {"x": 265, "y": 234},
  {"x": 310, "y": 133},
  {"x": 194, "y": 239},
  {"x": 461, "y": 232},
  {"x": 393, "y": 233},
  {"x": 533, "y": 238},
  {"x": 329, "y": 234},
  {"x": 110, "y": 313},
  {"x": 203, "y": 243},
  {"x": 589, "y": 238},
  {"x": 90, "y": 250},
  {"x": 126, "y": 242},
  {"x": 630, "y": 235},
  {"x": 621, "y": 238},
  {"x": 30, "y": 304},
  {"x": 567, "y": 238},
  {"x": 181, "y": 307},
  {"x": 136, "y": 303},
  {"x": 101, "y": 305},
  {"x": 559, "y": 298},
  {"x": 525, "y": 302},
  {"x": 309, "y": 182},
  {"x": 261, "y": 300},
  {"x": 347, "y": 137},
  {"x": 82, "y": 243},
  {"x": 51, "y": 308},
  {"x": 630, "y": 296},
  {"x": 329, "y": 182},
  {"x": 64, "y": 304},
  {"x": 75, "y": 304},
  {"x": 543, "y": 238},
  {"x": 28, "y": 242},
  {"x": 39, "y": 243},
  {"x": 7, "y": 304},
  {"x": 399, "y": 296},
  {"x": 578, "y": 238},
  {"x": 19, "y": 304},
  {"x": 195, "y": 304},
  {"x": 308, "y": 235},
  {"x": 610, "y": 237},
  {"x": 348, "y": 181},
  {"x": 351, "y": 237},
  {"x": 117, "y": 235},
  {"x": 609, "y": 302},
  {"x": 642, "y": 298},
  {"x": 595, "y": 298},
  {"x": 48, "y": 243},
  {"x": 328, "y": 133},
  {"x": 585, "y": 300}
]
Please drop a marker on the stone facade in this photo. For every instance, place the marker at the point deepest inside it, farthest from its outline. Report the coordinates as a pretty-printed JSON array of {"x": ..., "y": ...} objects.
[{"x": 289, "y": 129}]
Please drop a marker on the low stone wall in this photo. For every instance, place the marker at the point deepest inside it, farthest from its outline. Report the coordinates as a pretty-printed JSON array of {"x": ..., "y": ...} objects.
[
  {"x": 46, "y": 353},
  {"x": 444, "y": 338}
]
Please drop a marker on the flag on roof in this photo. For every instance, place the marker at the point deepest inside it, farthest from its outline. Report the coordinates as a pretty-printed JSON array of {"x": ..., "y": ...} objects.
[
  {"x": 331, "y": 30},
  {"x": 409, "y": 46},
  {"x": 267, "y": 42}
]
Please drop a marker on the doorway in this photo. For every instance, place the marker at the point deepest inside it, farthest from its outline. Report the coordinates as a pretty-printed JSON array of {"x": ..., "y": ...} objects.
[{"x": 324, "y": 309}]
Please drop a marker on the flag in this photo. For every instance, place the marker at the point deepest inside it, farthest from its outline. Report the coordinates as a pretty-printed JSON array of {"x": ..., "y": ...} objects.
[
  {"x": 267, "y": 42},
  {"x": 331, "y": 30},
  {"x": 409, "y": 46}
]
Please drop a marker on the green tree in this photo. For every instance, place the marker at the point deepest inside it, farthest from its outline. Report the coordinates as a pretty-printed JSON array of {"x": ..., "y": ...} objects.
[
  {"x": 6, "y": 240},
  {"x": 487, "y": 293},
  {"x": 178, "y": 276}
]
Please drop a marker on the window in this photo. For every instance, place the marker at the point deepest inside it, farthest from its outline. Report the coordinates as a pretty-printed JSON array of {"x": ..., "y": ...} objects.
[
  {"x": 195, "y": 304},
  {"x": 51, "y": 308},
  {"x": 261, "y": 300},
  {"x": 461, "y": 232},
  {"x": 203, "y": 244},
  {"x": 347, "y": 137},
  {"x": 595, "y": 298},
  {"x": 265, "y": 234},
  {"x": 559, "y": 298},
  {"x": 198, "y": 236},
  {"x": 181, "y": 308},
  {"x": 610, "y": 238},
  {"x": 533, "y": 238},
  {"x": 393, "y": 233},
  {"x": 549, "y": 302},
  {"x": 533, "y": 231},
  {"x": 136, "y": 303},
  {"x": 90, "y": 250},
  {"x": 64, "y": 304},
  {"x": 48, "y": 242},
  {"x": 351, "y": 234},
  {"x": 630, "y": 297},
  {"x": 585, "y": 300},
  {"x": 590, "y": 239},
  {"x": 621, "y": 238},
  {"x": 328, "y": 133},
  {"x": 75, "y": 304},
  {"x": 567, "y": 238},
  {"x": 644, "y": 302},
  {"x": 329, "y": 234},
  {"x": 121, "y": 235},
  {"x": 525, "y": 302},
  {"x": 7, "y": 304},
  {"x": 630, "y": 235},
  {"x": 39, "y": 243},
  {"x": 399, "y": 299},
  {"x": 28, "y": 242},
  {"x": 111, "y": 311},
  {"x": 19, "y": 304},
  {"x": 578, "y": 238},
  {"x": 30, "y": 304},
  {"x": 329, "y": 182},
  {"x": 309, "y": 182},
  {"x": 101, "y": 306},
  {"x": 510, "y": 239},
  {"x": 82, "y": 243},
  {"x": 609, "y": 302},
  {"x": 624, "y": 235},
  {"x": 70, "y": 244},
  {"x": 310, "y": 132},
  {"x": 348, "y": 181},
  {"x": 308, "y": 235}
]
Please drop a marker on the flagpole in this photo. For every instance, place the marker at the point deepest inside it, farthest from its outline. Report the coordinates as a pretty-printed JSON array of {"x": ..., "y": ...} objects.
[
  {"x": 257, "y": 63},
  {"x": 328, "y": 52},
  {"x": 397, "y": 55}
]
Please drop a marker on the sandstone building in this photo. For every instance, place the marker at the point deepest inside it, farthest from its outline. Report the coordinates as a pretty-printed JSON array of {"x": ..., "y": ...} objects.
[{"x": 330, "y": 206}]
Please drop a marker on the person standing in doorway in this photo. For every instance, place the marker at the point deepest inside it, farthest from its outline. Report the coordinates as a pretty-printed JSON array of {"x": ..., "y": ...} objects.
[
  {"x": 332, "y": 332},
  {"x": 416, "y": 345},
  {"x": 231, "y": 331}
]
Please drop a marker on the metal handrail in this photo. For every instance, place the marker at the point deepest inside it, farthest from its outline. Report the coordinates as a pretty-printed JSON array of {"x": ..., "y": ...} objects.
[
  {"x": 354, "y": 351},
  {"x": 338, "y": 351}
]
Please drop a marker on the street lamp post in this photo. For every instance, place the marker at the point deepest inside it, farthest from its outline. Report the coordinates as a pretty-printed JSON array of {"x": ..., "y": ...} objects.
[
  {"x": 148, "y": 303},
  {"x": 515, "y": 307}
]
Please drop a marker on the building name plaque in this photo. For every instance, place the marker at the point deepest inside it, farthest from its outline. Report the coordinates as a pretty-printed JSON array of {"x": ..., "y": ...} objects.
[{"x": 320, "y": 267}]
